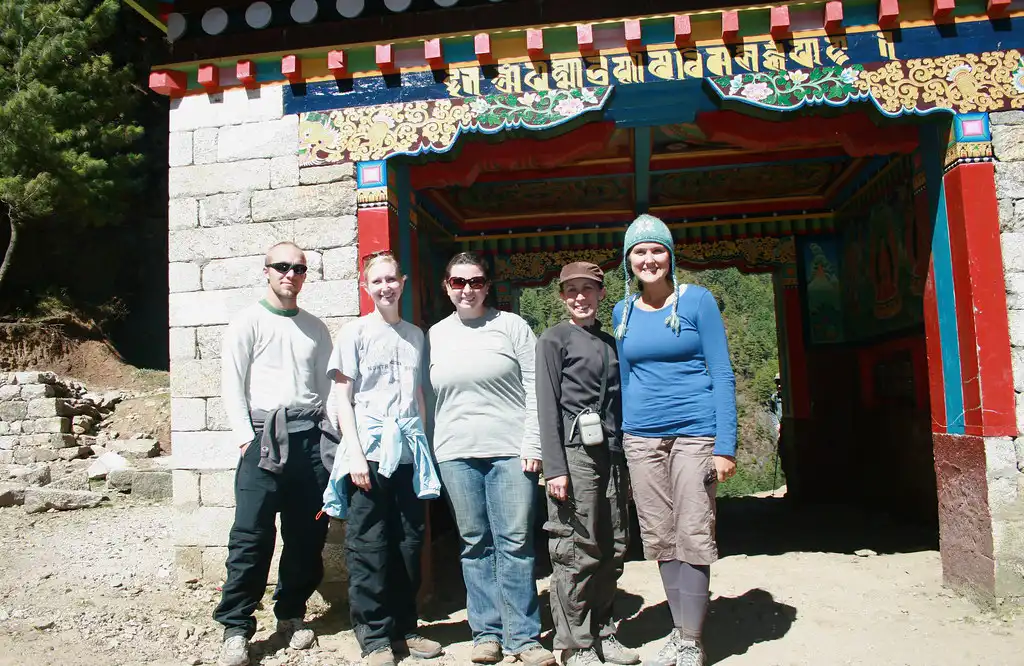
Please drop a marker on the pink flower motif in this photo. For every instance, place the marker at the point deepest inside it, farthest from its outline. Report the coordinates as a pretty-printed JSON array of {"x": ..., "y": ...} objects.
[
  {"x": 756, "y": 91},
  {"x": 529, "y": 99},
  {"x": 569, "y": 107}
]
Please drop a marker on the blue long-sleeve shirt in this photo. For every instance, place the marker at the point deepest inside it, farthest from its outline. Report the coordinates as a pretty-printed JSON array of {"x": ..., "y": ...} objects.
[{"x": 678, "y": 385}]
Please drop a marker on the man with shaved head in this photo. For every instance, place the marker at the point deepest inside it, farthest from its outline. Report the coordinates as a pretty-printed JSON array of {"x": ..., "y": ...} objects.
[{"x": 275, "y": 386}]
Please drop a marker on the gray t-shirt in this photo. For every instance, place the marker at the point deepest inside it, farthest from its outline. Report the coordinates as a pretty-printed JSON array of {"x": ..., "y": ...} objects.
[
  {"x": 482, "y": 374},
  {"x": 384, "y": 362}
]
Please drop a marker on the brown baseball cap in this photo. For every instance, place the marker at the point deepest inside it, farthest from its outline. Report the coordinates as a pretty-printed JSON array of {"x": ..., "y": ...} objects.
[{"x": 581, "y": 269}]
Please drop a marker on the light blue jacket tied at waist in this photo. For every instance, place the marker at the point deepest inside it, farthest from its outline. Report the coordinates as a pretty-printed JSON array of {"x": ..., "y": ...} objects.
[{"x": 388, "y": 434}]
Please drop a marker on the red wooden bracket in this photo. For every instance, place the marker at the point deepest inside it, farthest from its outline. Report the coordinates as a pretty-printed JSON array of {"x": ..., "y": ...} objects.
[
  {"x": 336, "y": 63},
  {"x": 209, "y": 77},
  {"x": 245, "y": 71},
  {"x": 684, "y": 34},
  {"x": 730, "y": 25},
  {"x": 385, "y": 57},
  {"x": 634, "y": 34},
  {"x": 888, "y": 14},
  {"x": 585, "y": 37},
  {"x": 482, "y": 48},
  {"x": 535, "y": 43},
  {"x": 833, "y": 16},
  {"x": 780, "y": 22},
  {"x": 291, "y": 67},
  {"x": 942, "y": 10},
  {"x": 166, "y": 82},
  {"x": 998, "y": 8},
  {"x": 433, "y": 53}
]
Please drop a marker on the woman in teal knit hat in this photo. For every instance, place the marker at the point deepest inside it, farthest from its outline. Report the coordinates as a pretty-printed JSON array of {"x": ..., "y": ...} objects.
[{"x": 678, "y": 423}]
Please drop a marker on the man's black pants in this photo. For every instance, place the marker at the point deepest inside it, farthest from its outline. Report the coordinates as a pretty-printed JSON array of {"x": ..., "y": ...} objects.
[
  {"x": 297, "y": 494},
  {"x": 383, "y": 541}
]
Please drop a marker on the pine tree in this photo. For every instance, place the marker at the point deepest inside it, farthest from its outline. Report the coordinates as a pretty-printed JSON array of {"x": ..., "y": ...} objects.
[{"x": 66, "y": 129}]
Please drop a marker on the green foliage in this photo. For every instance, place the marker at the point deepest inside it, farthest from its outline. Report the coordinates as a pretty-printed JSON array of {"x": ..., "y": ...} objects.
[
  {"x": 66, "y": 129},
  {"x": 749, "y": 316}
]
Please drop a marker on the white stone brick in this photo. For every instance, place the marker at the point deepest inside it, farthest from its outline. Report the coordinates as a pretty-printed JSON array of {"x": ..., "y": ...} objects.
[
  {"x": 341, "y": 263},
  {"x": 1014, "y": 291},
  {"x": 188, "y": 414},
  {"x": 231, "y": 273},
  {"x": 216, "y": 417},
  {"x": 203, "y": 526},
  {"x": 1013, "y": 251},
  {"x": 206, "y": 179},
  {"x": 324, "y": 233},
  {"x": 289, "y": 203},
  {"x": 204, "y": 145},
  {"x": 215, "y": 563},
  {"x": 1009, "y": 180},
  {"x": 334, "y": 324},
  {"x": 33, "y": 377},
  {"x": 203, "y": 450},
  {"x": 31, "y": 391},
  {"x": 182, "y": 214},
  {"x": 1008, "y": 142},
  {"x": 182, "y": 343},
  {"x": 205, "y": 308},
  {"x": 11, "y": 391},
  {"x": 240, "y": 240},
  {"x": 331, "y": 298},
  {"x": 217, "y": 488},
  {"x": 231, "y": 107},
  {"x": 1017, "y": 361},
  {"x": 1017, "y": 328},
  {"x": 275, "y": 138},
  {"x": 195, "y": 379},
  {"x": 1007, "y": 118},
  {"x": 182, "y": 276},
  {"x": 224, "y": 209},
  {"x": 185, "y": 486},
  {"x": 318, "y": 175},
  {"x": 188, "y": 563},
  {"x": 284, "y": 171},
  {"x": 209, "y": 340},
  {"x": 179, "y": 149}
]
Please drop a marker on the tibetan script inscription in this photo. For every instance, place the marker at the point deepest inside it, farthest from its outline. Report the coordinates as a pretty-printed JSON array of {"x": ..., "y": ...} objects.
[{"x": 656, "y": 65}]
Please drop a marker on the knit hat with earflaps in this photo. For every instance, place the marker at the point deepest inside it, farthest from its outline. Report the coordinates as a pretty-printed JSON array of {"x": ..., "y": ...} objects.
[{"x": 647, "y": 229}]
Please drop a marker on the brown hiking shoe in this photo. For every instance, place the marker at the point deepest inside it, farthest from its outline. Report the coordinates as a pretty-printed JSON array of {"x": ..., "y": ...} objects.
[
  {"x": 486, "y": 653},
  {"x": 383, "y": 657},
  {"x": 537, "y": 656},
  {"x": 421, "y": 648}
]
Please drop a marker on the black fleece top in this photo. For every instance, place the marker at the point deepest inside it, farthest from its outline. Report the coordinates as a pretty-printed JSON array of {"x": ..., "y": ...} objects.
[{"x": 570, "y": 361}]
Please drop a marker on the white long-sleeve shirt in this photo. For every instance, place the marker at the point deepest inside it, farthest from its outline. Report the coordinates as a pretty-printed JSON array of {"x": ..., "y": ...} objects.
[{"x": 272, "y": 358}]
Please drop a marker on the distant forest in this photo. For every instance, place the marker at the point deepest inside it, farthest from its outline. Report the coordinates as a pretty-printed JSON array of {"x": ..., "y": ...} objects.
[{"x": 747, "y": 303}]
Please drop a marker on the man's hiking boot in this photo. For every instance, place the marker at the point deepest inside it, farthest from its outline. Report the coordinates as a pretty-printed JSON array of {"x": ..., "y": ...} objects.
[
  {"x": 488, "y": 652},
  {"x": 614, "y": 652},
  {"x": 234, "y": 652},
  {"x": 537, "y": 656},
  {"x": 584, "y": 657},
  {"x": 295, "y": 631},
  {"x": 420, "y": 647},
  {"x": 381, "y": 657}
]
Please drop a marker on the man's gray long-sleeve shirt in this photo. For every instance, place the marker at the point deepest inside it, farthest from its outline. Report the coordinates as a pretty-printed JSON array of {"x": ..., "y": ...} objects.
[{"x": 570, "y": 361}]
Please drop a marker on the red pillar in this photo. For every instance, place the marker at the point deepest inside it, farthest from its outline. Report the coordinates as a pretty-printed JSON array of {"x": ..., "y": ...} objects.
[
  {"x": 799, "y": 391},
  {"x": 376, "y": 219}
]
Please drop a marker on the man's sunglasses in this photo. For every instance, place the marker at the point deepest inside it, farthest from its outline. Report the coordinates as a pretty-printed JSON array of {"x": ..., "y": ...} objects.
[
  {"x": 283, "y": 267},
  {"x": 475, "y": 283}
]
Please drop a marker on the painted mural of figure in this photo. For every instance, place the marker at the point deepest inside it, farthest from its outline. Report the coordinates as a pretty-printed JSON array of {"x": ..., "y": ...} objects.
[
  {"x": 386, "y": 471},
  {"x": 824, "y": 296},
  {"x": 678, "y": 423},
  {"x": 579, "y": 405},
  {"x": 885, "y": 264},
  {"x": 275, "y": 387},
  {"x": 487, "y": 447}
]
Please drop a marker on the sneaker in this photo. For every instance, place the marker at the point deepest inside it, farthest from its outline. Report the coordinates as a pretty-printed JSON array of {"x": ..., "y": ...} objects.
[
  {"x": 488, "y": 652},
  {"x": 537, "y": 656},
  {"x": 295, "y": 631},
  {"x": 614, "y": 652},
  {"x": 585, "y": 657},
  {"x": 422, "y": 648},
  {"x": 669, "y": 653},
  {"x": 382, "y": 657},
  {"x": 234, "y": 652},
  {"x": 690, "y": 654}
]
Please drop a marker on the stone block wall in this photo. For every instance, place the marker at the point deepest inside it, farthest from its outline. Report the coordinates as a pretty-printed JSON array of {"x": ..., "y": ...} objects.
[
  {"x": 38, "y": 420},
  {"x": 235, "y": 189},
  {"x": 1005, "y": 456}
]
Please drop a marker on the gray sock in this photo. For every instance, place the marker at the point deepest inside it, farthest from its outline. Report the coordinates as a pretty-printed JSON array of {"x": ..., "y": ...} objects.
[
  {"x": 670, "y": 580},
  {"x": 693, "y": 583}
]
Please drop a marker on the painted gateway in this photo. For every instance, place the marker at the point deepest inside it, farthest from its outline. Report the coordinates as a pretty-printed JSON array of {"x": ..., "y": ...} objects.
[{"x": 870, "y": 156}]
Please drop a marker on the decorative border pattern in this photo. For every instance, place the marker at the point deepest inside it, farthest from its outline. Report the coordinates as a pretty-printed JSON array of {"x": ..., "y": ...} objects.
[{"x": 361, "y": 134}]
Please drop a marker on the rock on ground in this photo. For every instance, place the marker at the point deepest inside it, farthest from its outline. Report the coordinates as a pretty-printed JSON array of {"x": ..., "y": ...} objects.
[
  {"x": 11, "y": 494},
  {"x": 38, "y": 500}
]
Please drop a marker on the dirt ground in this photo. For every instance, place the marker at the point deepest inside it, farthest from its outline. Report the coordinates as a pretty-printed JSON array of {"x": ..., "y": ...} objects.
[{"x": 97, "y": 588}]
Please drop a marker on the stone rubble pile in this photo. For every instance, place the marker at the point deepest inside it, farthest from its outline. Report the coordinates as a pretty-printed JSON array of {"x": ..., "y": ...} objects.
[{"x": 53, "y": 455}]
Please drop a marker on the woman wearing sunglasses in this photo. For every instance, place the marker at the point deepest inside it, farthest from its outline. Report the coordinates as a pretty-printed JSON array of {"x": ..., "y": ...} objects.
[
  {"x": 487, "y": 446},
  {"x": 376, "y": 365}
]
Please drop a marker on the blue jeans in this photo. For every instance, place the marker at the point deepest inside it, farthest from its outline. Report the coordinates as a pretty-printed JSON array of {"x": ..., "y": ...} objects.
[{"x": 494, "y": 502}]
